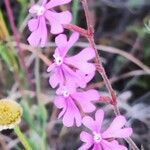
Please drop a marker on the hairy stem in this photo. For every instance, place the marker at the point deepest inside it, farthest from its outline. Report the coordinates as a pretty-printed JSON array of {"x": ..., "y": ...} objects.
[
  {"x": 100, "y": 67},
  {"x": 98, "y": 61},
  {"x": 76, "y": 28}
]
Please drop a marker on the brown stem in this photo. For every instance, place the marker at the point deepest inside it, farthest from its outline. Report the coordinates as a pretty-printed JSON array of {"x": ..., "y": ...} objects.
[
  {"x": 100, "y": 67},
  {"x": 98, "y": 61},
  {"x": 76, "y": 28}
]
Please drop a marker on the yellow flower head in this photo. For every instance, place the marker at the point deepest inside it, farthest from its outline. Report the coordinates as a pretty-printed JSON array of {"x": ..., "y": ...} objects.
[{"x": 10, "y": 114}]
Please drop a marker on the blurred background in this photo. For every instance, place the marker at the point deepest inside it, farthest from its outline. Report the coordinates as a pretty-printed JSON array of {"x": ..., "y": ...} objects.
[{"x": 122, "y": 35}]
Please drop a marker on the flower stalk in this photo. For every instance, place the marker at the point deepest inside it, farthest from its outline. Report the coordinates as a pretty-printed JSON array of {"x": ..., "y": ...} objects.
[
  {"x": 22, "y": 138},
  {"x": 100, "y": 67}
]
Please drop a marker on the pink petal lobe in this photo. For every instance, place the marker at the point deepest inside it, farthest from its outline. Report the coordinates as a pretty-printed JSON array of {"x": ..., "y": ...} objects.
[
  {"x": 65, "y": 17},
  {"x": 33, "y": 9},
  {"x": 53, "y": 79},
  {"x": 34, "y": 39},
  {"x": 56, "y": 77},
  {"x": 87, "y": 138},
  {"x": 99, "y": 116},
  {"x": 57, "y": 20},
  {"x": 56, "y": 27},
  {"x": 74, "y": 78},
  {"x": 97, "y": 147},
  {"x": 80, "y": 60},
  {"x": 89, "y": 76},
  {"x": 61, "y": 40},
  {"x": 73, "y": 39},
  {"x": 51, "y": 67},
  {"x": 33, "y": 24},
  {"x": 39, "y": 36},
  {"x": 72, "y": 114},
  {"x": 43, "y": 32},
  {"x": 44, "y": 2},
  {"x": 60, "y": 103},
  {"x": 54, "y": 3},
  {"x": 114, "y": 145},
  {"x": 116, "y": 129},
  {"x": 89, "y": 123},
  {"x": 86, "y": 98},
  {"x": 66, "y": 88}
]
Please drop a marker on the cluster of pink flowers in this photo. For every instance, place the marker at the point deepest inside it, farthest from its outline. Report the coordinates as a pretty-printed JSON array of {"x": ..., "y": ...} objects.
[{"x": 70, "y": 75}]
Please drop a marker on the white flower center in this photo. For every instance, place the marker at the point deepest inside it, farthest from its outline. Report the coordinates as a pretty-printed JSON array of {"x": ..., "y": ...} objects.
[
  {"x": 65, "y": 93},
  {"x": 97, "y": 137},
  {"x": 58, "y": 59},
  {"x": 40, "y": 10}
]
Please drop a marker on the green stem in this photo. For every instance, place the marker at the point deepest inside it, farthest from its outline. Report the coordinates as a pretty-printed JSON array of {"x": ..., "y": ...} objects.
[
  {"x": 22, "y": 138},
  {"x": 75, "y": 9},
  {"x": 38, "y": 90},
  {"x": 37, "y": 75}
]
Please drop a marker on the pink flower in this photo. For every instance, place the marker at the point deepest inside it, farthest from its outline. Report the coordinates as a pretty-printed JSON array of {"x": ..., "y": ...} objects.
[
  {"x": 74, "y": 70},
  {"x": 71, "y": 102},
  {"x": 44, "y": 14},
  {"x": 99, "y": 140}
]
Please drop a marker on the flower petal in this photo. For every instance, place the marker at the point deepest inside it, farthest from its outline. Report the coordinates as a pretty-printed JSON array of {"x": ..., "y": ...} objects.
[
  {"x": 39, "y": 36},
  {"x": 97, "y": 147},
  {"x": 61, "y": 40},
  {"x": 53, "y": 79},
  {"x": 74, "y": 78},
  {"x": 43, "y": 32},
  {"x": 72, "y": 113},
  {"x": 73, "y": 39},
  {"x": 57, "y": 20},
  {"x": 85, "y": 99},
  {"x": 99, "y": 116},
  {"x": 56, "y": 77},
  {"x": 33, "y": 24},
  {"x": 54, "y": 3},
  {"x": 34, "y": 39},
  {"x": 44, "y": 2},
  {"x": 80, "y": 60},
  {"x": 116, "y": 129},
  {"x": 88, "y": 122},
  {"x": 60, "y": 103},
  {"x": 64, "y": 17},
  {"x": 66, "y": 88},
  {"x": 87, "y": 138},
  {"x": 33, "y": 9},
  {"x": 88, "y": 77},
  {"x": 114, "y": 145},
  {"x": 51, "y": 67}
]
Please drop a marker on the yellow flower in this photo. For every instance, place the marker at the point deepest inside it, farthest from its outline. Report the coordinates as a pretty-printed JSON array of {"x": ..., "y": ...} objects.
[{"x": 10, "y": 114}]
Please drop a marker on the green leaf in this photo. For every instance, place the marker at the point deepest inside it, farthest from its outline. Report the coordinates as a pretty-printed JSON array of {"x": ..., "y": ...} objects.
[
  {"x": 23, "y": 11},
  {"x": 9, "y": 57},
  {"x": 34, "y": 139},
  {"x": 41, "y": 117},
  {"x": 135, "y": 3},
  {"x": 140, "y": 31},
  {"x": 26, "y": 114}
]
